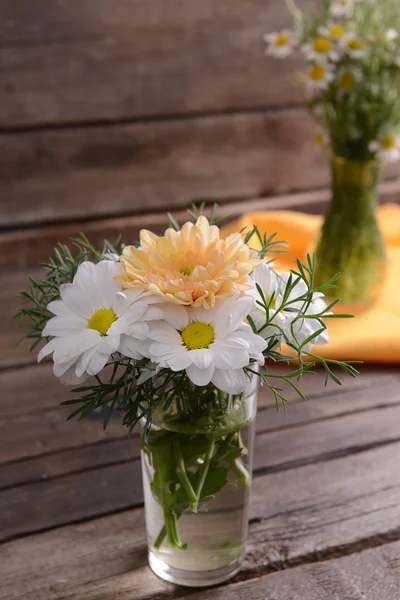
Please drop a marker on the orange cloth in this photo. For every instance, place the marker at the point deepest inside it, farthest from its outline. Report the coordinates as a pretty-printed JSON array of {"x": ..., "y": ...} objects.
[{"x": 374, "y": 334}]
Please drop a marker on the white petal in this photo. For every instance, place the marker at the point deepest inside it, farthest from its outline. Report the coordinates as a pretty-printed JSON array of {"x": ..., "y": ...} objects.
[
  {"x": 69, "y": 377},
  {"x": 60, "y": 309},
  {"x": 129, "y": 347},
  {"x": 97, "y": 363},
  {"x": 120, "y": 304},
  {"x": 229, "y": 317},
  {"x": 109, "y": 344},
  {"x": 201, "y": 315},
  {"x": 231, "y": 381},
  {"x": 202, "y": 358},
  {"x": 60, "y": 368},
  {"x": 84, "y": 360},
  {"x": 228, "y": 358},
  {"x": 76, "y": 300},
  {"x": 139, "y": 330},
  {"x": 48, "y": 349},
  {"x": 64, "y": 326},
  {"x": 72, "y": 347},
  {"x": 165, "y": 351},
  {"x": 180, "y": 361},
  {"x": 200, "y": 376},
  {"x": 175, "y": 314},
  {"x": 163, "y": 332}
]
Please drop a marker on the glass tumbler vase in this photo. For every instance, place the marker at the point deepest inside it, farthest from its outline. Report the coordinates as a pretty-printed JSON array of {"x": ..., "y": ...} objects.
[{"x": 197, "y": 478}]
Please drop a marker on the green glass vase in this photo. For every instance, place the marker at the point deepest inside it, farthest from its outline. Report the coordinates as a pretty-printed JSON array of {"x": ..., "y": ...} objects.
[{"x": 350, "y": 241}]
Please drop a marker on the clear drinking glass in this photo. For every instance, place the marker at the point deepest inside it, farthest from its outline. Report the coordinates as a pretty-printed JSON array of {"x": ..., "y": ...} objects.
[{"x": 197, "y": 477}]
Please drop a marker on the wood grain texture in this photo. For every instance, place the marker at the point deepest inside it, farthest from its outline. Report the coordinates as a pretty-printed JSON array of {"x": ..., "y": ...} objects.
[
  {"x": 35, "y": 425},
  {"x": 313, "y": 510},
  {"x": 50, "y": 452},
  {"x": 68, "y": 62},
  {"x": 364, "y": 576},
  {"x": 126, "y": 169},
  {"x": 26, "y": 248},
  {"x": 102, "y": 490}
]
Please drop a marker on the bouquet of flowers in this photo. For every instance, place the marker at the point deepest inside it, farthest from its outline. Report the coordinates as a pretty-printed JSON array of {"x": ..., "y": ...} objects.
[
  {"x": 352, "y": 76},
  {"x": 175, "y": 334},
  {"x": 351, "y": 84}
]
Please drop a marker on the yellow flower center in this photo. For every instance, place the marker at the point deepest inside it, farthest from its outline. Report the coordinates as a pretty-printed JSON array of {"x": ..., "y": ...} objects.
[
  {"x": 317, "y": 73},
  {"x": 319, "y": 138},
  {"x": 354, "y": 44},
  {"x": 102, "y": 320},
  {"x": 282, "y": 39},
  {"x": 322, "y": 45},
  {"x": 186, "y": 271},
  {"x": 198, "y": 335},
  {"x": 336, "y": 30},
  {"x": 389, "y": 142},
  {"x": 347, "y": 81}
]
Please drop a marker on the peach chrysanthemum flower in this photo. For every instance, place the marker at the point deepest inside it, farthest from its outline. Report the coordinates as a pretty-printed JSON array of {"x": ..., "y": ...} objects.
[{"x": 191, "y": 267}]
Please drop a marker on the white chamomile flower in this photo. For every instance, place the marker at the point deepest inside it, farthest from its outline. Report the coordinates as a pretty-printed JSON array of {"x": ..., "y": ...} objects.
[
  {"x": 212, "y": 345},
  {"x": 93, "y": 319},
  {"x": 267, "y": 279},
  {"x": 280, "y": 44},
  {"x": 387, "y": 148},
  {"x": 391, "y": 35},
  {"x": 353, "y": 46},
  {"x": 299, "y": 330},
  {"x": 321, "y": 49},
  {"x": 333, "y": 31},
  {"x": 346, "y": 79},
  {"x": 321, "y": 138},
  {"x": 318, "y": 77},
  {"x": 342, "y": 8},
  {"x": 283, "y": 323}
]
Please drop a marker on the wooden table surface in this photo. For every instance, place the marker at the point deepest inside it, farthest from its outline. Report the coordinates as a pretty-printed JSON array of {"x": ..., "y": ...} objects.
[{"x": 324, "y": 518}]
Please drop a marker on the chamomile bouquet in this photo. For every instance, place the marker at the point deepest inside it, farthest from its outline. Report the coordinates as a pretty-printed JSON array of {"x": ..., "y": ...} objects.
[
  {"x": 174, "y": 333},
  {"x": 351, "y": 84}
]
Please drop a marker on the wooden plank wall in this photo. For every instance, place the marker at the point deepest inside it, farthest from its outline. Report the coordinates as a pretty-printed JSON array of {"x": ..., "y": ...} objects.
[{"x": 114, "y": 112}]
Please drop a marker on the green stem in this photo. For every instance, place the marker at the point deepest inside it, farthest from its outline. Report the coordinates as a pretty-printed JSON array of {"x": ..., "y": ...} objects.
[
  {"x": 170, "y": 518},
  {"x": 182, "y": 473},
  {"x": 163, "y": 532},
  {"x": 202, "y": 474},
  {"x": 241, "y": 472},
  {"x": 160, "y": 538}
]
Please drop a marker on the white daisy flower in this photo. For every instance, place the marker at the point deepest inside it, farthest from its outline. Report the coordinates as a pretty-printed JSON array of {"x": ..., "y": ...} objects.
[
  {"x": 318, "y": 77},
  {"x": 93, "y": 319},
  {"x": 280, "y": 44},
  {"x": 321, "y": 138},
  {"x": 298, "y": 331},
  {"x": 212, "y": 345},
  {"x": 353, "y": 46},
  {"x": 282, "y": 323},
  {"x": 347, "y": 79},
  {"x": 386, "y": 148},
  {"x": 342, "y": 8},
  {"x": 321, "y": 49},
  {"x": 333, "y": 31},
  {"x": 268, "y": 280},
  {"x": 391, "y": 35}
]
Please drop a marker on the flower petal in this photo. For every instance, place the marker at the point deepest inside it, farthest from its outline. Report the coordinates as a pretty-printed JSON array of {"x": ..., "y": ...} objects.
[
  {"x": 200, "y": 376},
  {"x": 231, "y": 381}
]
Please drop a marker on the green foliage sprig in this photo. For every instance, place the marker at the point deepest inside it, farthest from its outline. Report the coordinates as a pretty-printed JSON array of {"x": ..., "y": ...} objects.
[{"x": 134, "y": 388}]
